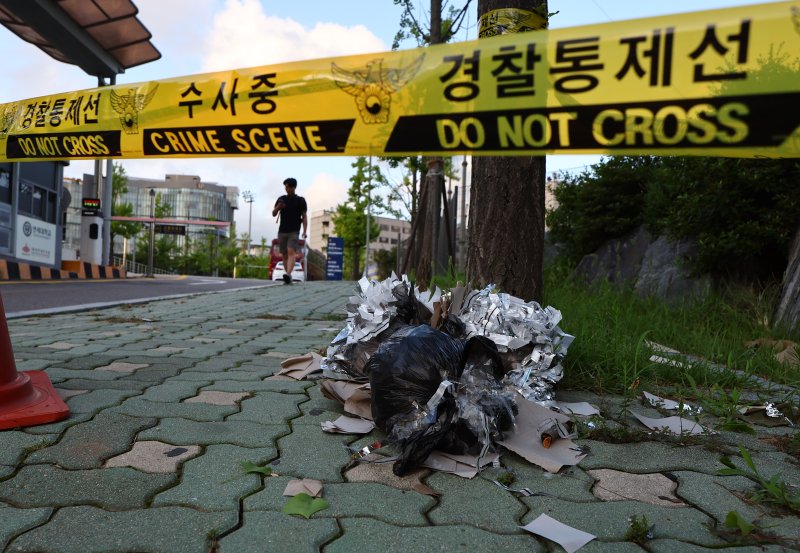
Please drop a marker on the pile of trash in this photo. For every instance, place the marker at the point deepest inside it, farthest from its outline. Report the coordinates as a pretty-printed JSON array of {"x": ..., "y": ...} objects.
[{"x": 452, "y": 373}]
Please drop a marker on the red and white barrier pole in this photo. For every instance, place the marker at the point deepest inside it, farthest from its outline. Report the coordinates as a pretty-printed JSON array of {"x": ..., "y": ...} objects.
[{"x": 26, "y": 398}]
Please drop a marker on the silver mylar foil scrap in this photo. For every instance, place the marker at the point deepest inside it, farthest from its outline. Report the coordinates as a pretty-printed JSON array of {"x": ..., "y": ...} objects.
[{"x": 527, "y": 336}]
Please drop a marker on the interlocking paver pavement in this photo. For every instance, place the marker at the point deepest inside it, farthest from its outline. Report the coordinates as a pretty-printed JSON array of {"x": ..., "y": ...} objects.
[{"x": 191, "y": 381}]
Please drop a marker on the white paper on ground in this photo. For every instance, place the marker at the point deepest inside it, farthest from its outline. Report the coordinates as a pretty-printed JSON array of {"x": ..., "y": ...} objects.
[
  {"x": 348, "y": 425},
  {"x": 526, "y": 441},
  {"x": 676, "y": 425},
  {"x": 581, "y": 408},
  {"x": 571, "y": 539},
  {"x": 465, "y": 466}
]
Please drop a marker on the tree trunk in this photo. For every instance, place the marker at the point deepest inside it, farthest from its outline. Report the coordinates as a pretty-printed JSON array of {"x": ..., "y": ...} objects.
[
  {"x": 356, "y": 262},
  {"x": 506, "y": 210},
  {"x": 788, "y": 312}
]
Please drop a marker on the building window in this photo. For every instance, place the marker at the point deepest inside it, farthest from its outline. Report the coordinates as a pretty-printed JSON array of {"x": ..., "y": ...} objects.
[
  {"x": 395, "y": 228},
  {"x": 384, "y": 227},
  {"x": 393, "y": 240},
  {"x": 326, "y": 224},
  {"x": 383, "y": 240}
]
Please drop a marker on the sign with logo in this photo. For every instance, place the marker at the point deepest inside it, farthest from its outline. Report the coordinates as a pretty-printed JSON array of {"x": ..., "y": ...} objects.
[
  {"x": 719, "y": 82},
  {"x": 35, "y": 241},
  {"x": 335, "y": 262},
  {"x": 178, "y": 230}
]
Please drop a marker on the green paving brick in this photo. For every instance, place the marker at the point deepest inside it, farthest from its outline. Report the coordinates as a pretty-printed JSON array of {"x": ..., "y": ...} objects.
[
  {"x": 94, "y": 530},
  {"x": 308, "y": 452},
  {"x": 88, "y": 444},
  {"x": 373, "y": 535},
  {"x": 15, "y": 521},
  {"x": 114, "y": 488},
  {"x": 269, "y": 531},
  {"x": 159, "y": 409},
  {"x": 86, "y": 384},
  {"x": 351, "y": 499},
  {"x": 269, "y": 408},
  {"x": 215, "y": 480},
  {"x": 717, "y": 495},
  {"x": 243, "y": 433},
  {"x": 57, "y": 372},
  {"x": 5, "y": 470},
  {"x": 279, "y": 386},
  {"x": 497, "y": 511},
  {"x": 172, "y": 391},
  {"x": 646, "y": 457},
  {"x": 597, "y": 546},
  {"x": 15, "y": 444},
  {"x": 570, "y": 483},
  {"x": 60, "y": 426},
  {"x": 156, "y": 373},
  {"x": 609, "y": 520},
  {"x": 675, "y": 546},
  {"x": 94, "y": 401}
]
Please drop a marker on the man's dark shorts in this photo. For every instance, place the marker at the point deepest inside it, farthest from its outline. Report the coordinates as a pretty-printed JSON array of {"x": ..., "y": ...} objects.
[{"x": 288, "y": 240}]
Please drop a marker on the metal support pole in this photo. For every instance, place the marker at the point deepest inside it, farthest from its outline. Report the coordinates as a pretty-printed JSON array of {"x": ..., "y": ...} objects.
[{"x": 152, "y": 232}]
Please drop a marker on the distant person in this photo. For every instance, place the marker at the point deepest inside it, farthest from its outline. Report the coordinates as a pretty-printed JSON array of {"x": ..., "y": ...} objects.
[{"x": 293, "y": 210}]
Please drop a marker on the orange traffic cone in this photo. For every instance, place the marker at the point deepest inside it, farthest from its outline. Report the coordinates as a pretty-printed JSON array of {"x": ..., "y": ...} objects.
[{"x": 26, "y": 398}]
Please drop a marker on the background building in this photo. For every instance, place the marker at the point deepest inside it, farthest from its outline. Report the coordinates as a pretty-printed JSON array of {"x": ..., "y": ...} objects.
[
  {"x": 187, "y": 197},
  {"x": 320, "y": 227}
]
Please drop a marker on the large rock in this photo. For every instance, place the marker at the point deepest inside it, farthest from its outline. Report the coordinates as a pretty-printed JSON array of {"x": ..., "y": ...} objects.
[
  {"x": 655, "y": 266},
  {"x": 618, "y": 260},
  {"x": 663, "y": 272}
]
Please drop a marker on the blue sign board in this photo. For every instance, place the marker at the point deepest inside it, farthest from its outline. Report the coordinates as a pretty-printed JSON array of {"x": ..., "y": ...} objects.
[{"x": 333, "y": 268}]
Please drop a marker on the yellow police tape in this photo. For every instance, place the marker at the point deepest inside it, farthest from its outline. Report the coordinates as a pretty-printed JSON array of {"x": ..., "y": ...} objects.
[{"x": 722, "y": 82}]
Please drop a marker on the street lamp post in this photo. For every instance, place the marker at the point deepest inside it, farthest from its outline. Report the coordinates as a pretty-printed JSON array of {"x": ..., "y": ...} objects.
[
  {"x": 248, "y": 197},
  {"x": 152, "y": 232}
]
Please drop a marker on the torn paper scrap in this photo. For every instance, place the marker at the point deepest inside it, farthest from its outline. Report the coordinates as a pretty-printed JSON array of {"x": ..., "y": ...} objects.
[
  {"x": 465, "y": 466},
  {"x": 581, "y": 408},
  {"x": 348, "y": 425},
  {"x": 571, "y": 539},
  {"x": 526, "y": 439},
  {"x": 670, "y": 404},
  {"x": 676, "y": 425},
  {"x": 301, "y": 367},
  {"x": 306, "y": 485}
]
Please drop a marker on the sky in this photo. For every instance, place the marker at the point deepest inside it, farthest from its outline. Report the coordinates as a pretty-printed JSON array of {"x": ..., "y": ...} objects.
[{"x": 198, "y": 36}]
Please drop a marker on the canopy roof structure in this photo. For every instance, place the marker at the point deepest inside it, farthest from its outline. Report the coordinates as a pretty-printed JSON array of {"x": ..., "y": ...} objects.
[{"x": 102, "y": 37}]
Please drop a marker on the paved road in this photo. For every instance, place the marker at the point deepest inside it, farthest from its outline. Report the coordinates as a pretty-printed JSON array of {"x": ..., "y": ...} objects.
[{"x": 25, "y": 298}]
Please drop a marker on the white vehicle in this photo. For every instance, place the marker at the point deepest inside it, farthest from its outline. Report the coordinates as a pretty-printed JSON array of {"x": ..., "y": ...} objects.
[{"x": 298, "y": 275}]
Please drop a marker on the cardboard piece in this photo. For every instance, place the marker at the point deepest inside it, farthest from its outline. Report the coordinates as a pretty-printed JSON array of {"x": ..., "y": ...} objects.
[
  {"x": 465, "y": 466},
  {"x": 571, "y": 539},
  {"x": 786, "y": 351},
  {"x": 300, "y": 367},
  {"x": 355, "y": 397},
  {"x": 581, "y": 408},
  {"x": 676, "y": 425},
  {"x": 526, "y": 439},
  {"x": 348, "y": 425},
  {"x": 307, "y": 485}
]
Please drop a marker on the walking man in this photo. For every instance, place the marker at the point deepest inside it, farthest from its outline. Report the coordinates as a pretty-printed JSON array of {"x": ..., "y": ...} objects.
[{"x": 293, "y": 210}]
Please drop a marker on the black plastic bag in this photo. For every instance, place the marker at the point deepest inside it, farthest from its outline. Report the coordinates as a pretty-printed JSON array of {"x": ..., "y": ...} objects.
[{"x": 405, "y": 372}]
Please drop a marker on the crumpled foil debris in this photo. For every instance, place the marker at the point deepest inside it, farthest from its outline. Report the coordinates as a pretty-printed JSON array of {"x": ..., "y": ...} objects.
[{"x": 527, "y": 335}]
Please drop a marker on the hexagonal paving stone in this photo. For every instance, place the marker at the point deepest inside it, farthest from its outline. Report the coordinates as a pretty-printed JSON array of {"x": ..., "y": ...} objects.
[
  {"x": 93, "y": 530},
  {"x": 154, "y": 456},
  {"x": 15, "y": 521},
  {"x": 48, "y": 485},
  {"x": 655, "y": 489},
  {"x": 350, "y": 499},
  {"x": 217, "y": 398},
  {"x": 373, "y": 535},
  {"x": 122, "y": 367},
  {"x": 243, "y": 433},
  {"x": 270, "y": 531},
  {"x": 61, "y": 346},
  {"x": 215, "y": 480},
  {"x": 88, "y": 444}
]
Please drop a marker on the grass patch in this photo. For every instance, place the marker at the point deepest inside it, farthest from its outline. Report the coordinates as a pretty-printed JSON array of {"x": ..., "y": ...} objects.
[
  {"x": 274, "y": 317},
  {"x": 611, "y": 326}
]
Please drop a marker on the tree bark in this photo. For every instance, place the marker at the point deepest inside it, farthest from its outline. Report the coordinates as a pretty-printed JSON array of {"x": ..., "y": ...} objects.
[
  {"x": 506, "y": 211},
  {"x": 788, "y": 312}
]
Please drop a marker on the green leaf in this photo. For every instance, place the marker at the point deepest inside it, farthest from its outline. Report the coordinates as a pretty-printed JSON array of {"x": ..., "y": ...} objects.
[
  {"x": 738, "y": 426},
  {"x": 730, "y": 472},
  {"x": 747, "y": 459},
  {"x": 735, "y": 520},
  {"x": 249, "y": 467},
  {"x": 304, "y": 505}
]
